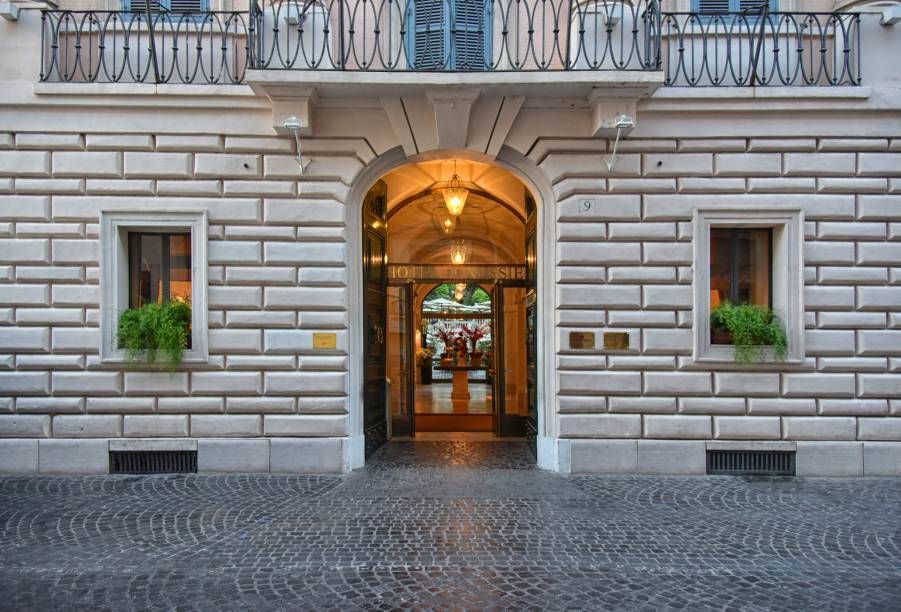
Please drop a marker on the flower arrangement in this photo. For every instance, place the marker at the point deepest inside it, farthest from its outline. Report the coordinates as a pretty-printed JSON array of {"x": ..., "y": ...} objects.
[
  {"x": 751, "y": 327},
  {"x": 156, "y": 331}
]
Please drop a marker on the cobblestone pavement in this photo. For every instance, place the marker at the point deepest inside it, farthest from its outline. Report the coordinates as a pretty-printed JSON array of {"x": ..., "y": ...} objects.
[{"x": 437, "y": 525}]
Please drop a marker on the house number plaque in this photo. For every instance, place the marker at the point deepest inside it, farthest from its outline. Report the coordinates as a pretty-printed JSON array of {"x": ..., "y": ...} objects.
[
  {"x": 581, "y": 340},
  {"x": 616, "y": 340},
  {"x": 325, "y": 341}
]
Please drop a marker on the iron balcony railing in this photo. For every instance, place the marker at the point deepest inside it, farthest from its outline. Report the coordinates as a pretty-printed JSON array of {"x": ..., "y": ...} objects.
[{"x": 452, "y": 36}]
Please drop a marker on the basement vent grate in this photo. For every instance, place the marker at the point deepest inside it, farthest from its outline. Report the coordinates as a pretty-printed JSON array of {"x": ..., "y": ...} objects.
[
  {"x": 766, "y": 463},
  {"x": 153, "y": 462}
]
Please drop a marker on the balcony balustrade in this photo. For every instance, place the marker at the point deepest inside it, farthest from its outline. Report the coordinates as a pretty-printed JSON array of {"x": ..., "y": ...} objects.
[{"x": 769, "y": 49}]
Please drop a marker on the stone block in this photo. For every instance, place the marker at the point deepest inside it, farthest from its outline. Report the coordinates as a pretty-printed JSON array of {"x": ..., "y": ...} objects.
[
  {"x": 73, "y": 456},
  {"x": 882, "y": 459},
  {"x": 275, "y": 275},
  {"x": 748, "y": 164},
  {"x": 853, "y": 407},
  {"x": 820, "y": 253},
  {"x": 764, "y": 406},
  {"x": 879, "y": 164},
  {"x": 599, "y": 383},
  {"x": 24, "y": 426},
  {"x": 712, "y": 405},
  {"x": 119, "y": 405},
  {"x": 672, "y": 457},
  {"x": 247, "y": 456},
  {"x": 226, "y": 426},
  {"x": 304, "y": 253},
  {"x": 306, "y": 383},
  {"x": 79, "y": 340},
  {"x": 819, "y": 428},
  {"x": 18, "y": 456},
  {"x": 677, "y": 426},
  {"x": 829, "y": 459},
  {"x": 305, "y": 298},
  {"x": 84, "y": 164},
  {"x": 879, "y": 208},
  {"x": 819, "y": 164},
  {"x": 155, "y": 426},
  {"x": 886, "y": 428},
  {"x": 192, "y": 405},
  {"x": 298, "y": 341},
  {"x": 609, "y": 208},
  {"x": 175, "y": 142},
  {"x": 235, "y": 297},
  {"x": 49, "y": 141},
  {"x": 878, "y": 298},
  {"x": 818, "y": 385},
  {"x": 663, "y": 297},
  {"x": 829, "y": 342},
  {"x": 76, "y": 295},
  {"x": 234, "y": 252},
  {"x": 746, "y": 428},
  {"x": 879, "y": 253},
  {"x": 600, "y": 426},
  {"x": 227, "y": 165},
  {"x": 667, "y": 253},
  {"x": 677, "y": 383},
  {"x": 87, "y": 426},
  {"x": 634, "y": 275},
  {"x": 156, "y": 383},
  {"x": 232, "y": 383},
  {"x": 304, "y": 211},
  {"x": 25, "y": 163},
  {"x": 315, "y": 456},
  {"x": 266, "y": 404},
  {"x": 158, "y": 165},
  {"x": 119, "y": 142},
  {"x": 235, "y": 340},
  {"x": 24, "y": 250},
  {"x": 879, "y": 342},
  {"x": 879, "y": 385},
  {"x": 15, "y": 339},
  {"x": 782, "y": 144},
  {"x": 667, "y": 341},
  {"x": 746, "y": 383},
  {"x": 602, "y": 456},
  {"x": 82, "y": 383},
  {"x": 24, "y": 383},
  {"x": 645, "y": 405},
  {"x": 25, "y": 295},
  {"x": 307, "y": 425}
]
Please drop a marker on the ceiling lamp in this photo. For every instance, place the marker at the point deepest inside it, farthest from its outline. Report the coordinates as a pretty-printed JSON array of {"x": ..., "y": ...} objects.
[
  {"x": 449, "y": 225},
  {"x": 458, "y": 253},
  {"x": 455, "y": 194},
  {"x": 458, "y": 291}
]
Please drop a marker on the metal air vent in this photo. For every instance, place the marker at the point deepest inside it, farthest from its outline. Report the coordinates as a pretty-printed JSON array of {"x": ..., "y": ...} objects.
[
  {"x": 153, "y": 462},
  {"x": 762, "y": 463}
]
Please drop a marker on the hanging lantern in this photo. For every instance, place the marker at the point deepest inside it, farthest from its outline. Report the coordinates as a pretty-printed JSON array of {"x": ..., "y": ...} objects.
[
  {"x": 449, "y": 225},
  {"x": 458, "y": 253},
  {"x": 458, "y": 291},
  {"x": 455, "y": 195}
]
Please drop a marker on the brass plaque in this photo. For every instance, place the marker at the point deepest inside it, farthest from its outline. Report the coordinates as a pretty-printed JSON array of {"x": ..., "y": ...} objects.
[
  {"x": 616, "y": 340},
  {"x": 325, "y": 341},
  {"x": 581, "y": 340}
]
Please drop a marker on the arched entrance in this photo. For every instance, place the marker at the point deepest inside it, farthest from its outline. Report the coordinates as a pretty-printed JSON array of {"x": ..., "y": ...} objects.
[{"x": 410, "y": 240}]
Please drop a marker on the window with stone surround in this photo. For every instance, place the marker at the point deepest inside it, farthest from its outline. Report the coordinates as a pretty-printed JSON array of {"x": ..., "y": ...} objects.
[
  {"x": 748, "y": 256},
  {"x": 153, "y": 257}
]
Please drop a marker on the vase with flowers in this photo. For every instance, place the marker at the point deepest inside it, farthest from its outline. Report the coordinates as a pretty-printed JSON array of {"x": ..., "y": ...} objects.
[{"x": 474, "y": 333}]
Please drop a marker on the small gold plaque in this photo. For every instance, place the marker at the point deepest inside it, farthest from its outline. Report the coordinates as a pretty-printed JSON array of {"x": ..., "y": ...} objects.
[
  {"x": 581, "y": 340},
  {"x": 616, "y": 340},
  {"x": 325, "y": 341}
]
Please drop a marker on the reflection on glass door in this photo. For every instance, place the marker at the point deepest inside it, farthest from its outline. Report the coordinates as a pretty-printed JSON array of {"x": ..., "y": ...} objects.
[
  {"x": 511, "y": 387},
  {"x": 400, "y": 360}
]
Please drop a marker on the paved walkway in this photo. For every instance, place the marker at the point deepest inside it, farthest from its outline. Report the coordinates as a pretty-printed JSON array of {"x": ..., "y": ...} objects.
[{"x": 466, "y": 525}]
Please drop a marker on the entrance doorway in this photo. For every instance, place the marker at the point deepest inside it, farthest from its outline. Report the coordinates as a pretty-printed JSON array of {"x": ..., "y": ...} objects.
[{"x": 450, "y": 300}]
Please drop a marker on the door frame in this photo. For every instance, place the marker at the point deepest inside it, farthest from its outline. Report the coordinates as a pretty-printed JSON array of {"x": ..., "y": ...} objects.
[{"x": 534, "y": 178}]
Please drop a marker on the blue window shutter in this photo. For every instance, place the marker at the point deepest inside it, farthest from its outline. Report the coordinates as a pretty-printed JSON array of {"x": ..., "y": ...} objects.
[
  {"x": 427, "y": 41},
  {"x": 711, "y": 7},
  {"x": 471, "y": 36}
]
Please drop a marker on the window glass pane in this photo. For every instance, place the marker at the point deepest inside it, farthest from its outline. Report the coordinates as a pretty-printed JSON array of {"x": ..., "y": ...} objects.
[
  {"x": 720, "y": 266},
  {"x": 180, "y": 266},
  {"x": 146, "y": 269},
  {"x": 753, "y": 252}
]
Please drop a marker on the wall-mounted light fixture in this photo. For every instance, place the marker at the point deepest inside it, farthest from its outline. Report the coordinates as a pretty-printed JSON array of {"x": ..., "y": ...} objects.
[
  {"x": 295, "y": 125},
  {"x": 621, "y": 122}
]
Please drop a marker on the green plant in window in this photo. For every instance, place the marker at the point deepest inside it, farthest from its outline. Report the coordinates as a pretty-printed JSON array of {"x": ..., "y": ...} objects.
[
  {"x": 752, "y": 328},
  {"x": 156, "y": 332}
]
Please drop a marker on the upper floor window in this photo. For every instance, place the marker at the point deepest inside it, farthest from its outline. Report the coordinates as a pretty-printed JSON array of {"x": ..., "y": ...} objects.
[
  {"x": 166, "y": 6},
  {"x": 449, "y": 34},
  {"x": 713, "y": 7}
]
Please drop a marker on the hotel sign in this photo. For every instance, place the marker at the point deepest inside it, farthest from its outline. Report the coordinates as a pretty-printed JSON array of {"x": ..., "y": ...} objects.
[{"x": 483, "y": 272}]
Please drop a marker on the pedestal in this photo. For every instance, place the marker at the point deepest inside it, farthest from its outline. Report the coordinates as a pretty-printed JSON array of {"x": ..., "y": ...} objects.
[{"x": 460, "y": 389}]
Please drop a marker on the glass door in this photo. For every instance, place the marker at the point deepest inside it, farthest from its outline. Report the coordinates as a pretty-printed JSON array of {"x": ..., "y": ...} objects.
[
  {"x": 401, "y": 356},
  {"x": 510, "y": 366}
]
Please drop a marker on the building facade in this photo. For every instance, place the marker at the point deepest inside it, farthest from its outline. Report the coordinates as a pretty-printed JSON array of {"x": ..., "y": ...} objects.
[{"x": 661, "y": 159}]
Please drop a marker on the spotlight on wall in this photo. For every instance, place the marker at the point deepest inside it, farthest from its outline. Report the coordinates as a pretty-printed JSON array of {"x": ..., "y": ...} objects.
[
  {"x": 621, "y": 122},
  {"x": 295, "y": 125}
]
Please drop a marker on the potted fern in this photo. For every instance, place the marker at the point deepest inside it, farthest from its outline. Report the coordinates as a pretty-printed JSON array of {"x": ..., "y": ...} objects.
[
  {"x": 750, "y": 329},
  {"x": 156, "y": 333}
]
